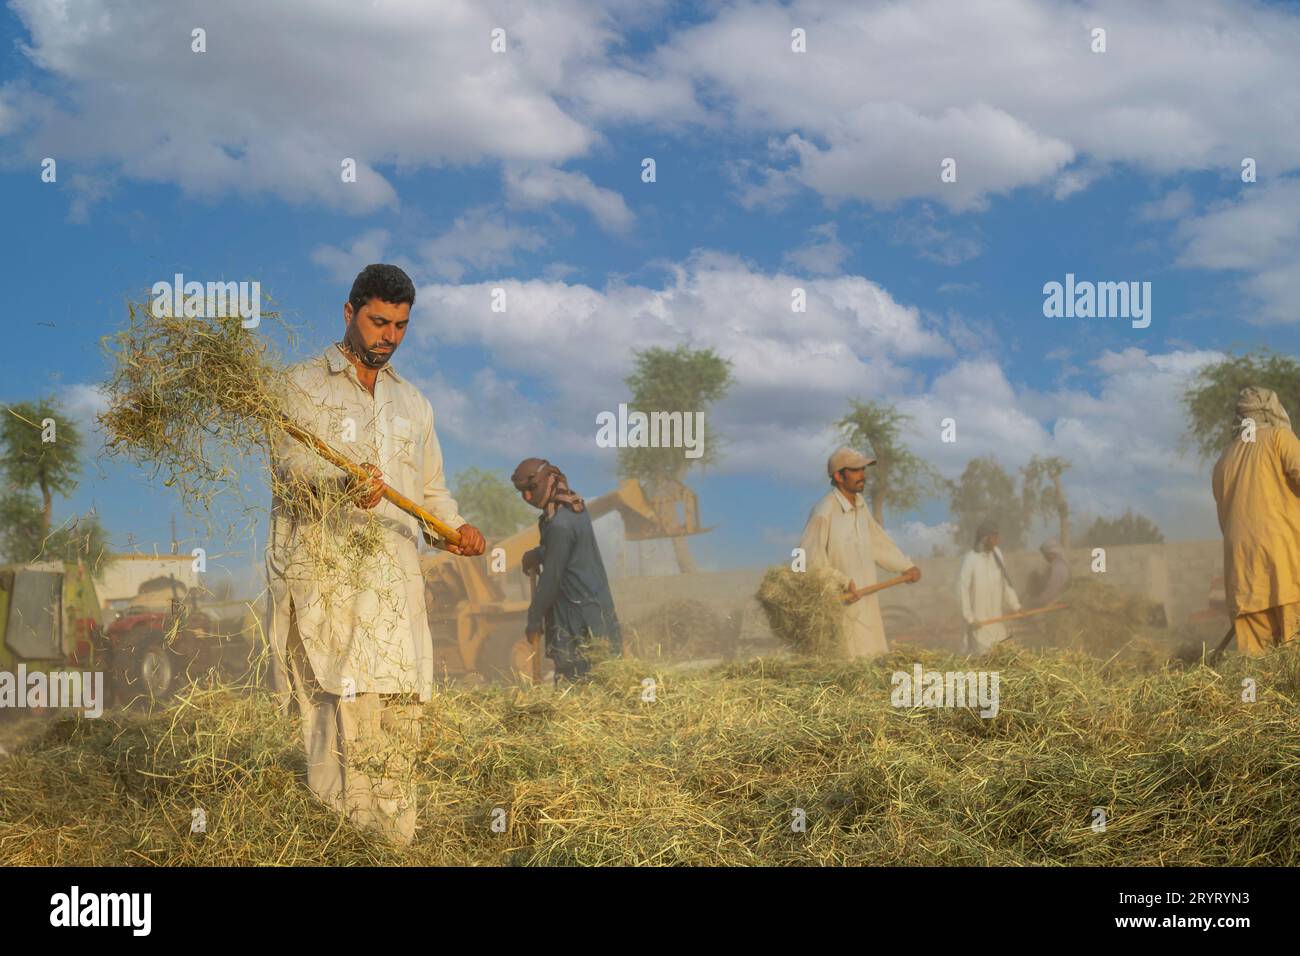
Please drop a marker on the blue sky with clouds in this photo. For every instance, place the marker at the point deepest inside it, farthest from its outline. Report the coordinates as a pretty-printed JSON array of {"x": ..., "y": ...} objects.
[{"x": 774, "y": 170}]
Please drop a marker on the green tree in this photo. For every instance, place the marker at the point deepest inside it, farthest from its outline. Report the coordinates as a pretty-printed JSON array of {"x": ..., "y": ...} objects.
[
  {"x": 1211, "y": 396},
  {"x": 490, "y": 503},
  {"x": 1129, "y": 528},
  {"x": 985, "y": 492},
  {"x": 1041, "y": 494},
  {"x": 42, "y": 448},
  {"x": 23, "y": 539},
  {"x": 900, "y": 478},
  {"x": 21, "y": 536},
  {"x": 679, "y": 380}
]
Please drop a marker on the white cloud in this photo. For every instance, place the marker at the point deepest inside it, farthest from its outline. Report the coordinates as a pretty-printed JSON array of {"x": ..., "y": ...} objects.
[
  {"x": 344, "y": 264},
  {"x": 1258, "y": 234},
  {"x": 1010, "y": 90},
  {"x": 824, "y": 255},
  {"x": 532, "y": 188},
  {"x": 1172, "y": 205},
  {"x": 573, "y": 343},
  {"x": 260, "y": 114},
  {"x": 479, "y": 239},
  {"x": 937, "y": 244}
]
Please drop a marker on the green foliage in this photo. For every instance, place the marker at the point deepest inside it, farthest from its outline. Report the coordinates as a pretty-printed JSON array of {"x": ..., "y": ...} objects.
[
  {"x": 1211, "y": 397},
  {"x": 51, "y": 466},
  {"x": 986, "y": 492},
  {"x": 490, "y": 503},
  {"x": 21, "y": 533},
  {"x": 1041, "y": 493},
  {"x": 899, "y": 478},
  {"x": 678, "y": 380},
  {"x": 23, "y": 539},
  {"x": 1129, "y": 528}
]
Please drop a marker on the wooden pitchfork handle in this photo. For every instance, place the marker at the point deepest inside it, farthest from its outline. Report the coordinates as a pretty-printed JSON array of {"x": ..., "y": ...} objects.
[
  {"x": 1020, "y": 614},
  {"x": 853, "y": 596},
  {"x": 360, "y": 474},
  {"x": 535, "y": 642}
]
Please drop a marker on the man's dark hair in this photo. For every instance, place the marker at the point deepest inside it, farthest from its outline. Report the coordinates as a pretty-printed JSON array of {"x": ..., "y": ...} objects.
[{"x": 381, "y": 281}]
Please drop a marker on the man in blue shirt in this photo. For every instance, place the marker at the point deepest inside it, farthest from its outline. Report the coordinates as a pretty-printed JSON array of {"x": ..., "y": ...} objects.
[{"x": 572, "y": 605}]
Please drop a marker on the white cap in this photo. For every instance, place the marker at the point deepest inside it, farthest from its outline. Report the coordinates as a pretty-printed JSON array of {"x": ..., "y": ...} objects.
[{"x": 847, "y": 457}]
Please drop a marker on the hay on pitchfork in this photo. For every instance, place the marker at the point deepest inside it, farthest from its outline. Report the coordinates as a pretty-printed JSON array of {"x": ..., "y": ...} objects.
[
  {"x": 201, "y": 400},
  {"x": 804, "y": 610}
]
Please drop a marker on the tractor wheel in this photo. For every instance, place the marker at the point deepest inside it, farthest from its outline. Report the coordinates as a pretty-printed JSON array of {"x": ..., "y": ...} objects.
[{"x": 146, "y": 670}]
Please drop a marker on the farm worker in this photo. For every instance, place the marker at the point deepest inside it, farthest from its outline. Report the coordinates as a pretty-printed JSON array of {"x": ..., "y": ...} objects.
[
  {"x": 985, "y": 592},
  {"x": 572, "y": 605},
  {"x": 1058, "y": 575},
  {"x": 349, "y": 636},
  {"x": 1257, "y": 489},
  {"x": 842, "y": 537}
]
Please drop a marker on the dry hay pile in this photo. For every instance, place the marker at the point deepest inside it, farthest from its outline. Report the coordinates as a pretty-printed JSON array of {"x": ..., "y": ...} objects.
[
  {"x": 1101, "y": 619},
  {"x": 681, "y": 629},
  {"x": 711, "y": 773},
  {"x": 804, "y": 610}
]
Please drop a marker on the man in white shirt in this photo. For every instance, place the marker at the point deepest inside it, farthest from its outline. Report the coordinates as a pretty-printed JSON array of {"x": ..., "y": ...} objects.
[
  {"x": 842, "y": 537},
  {"x": 350, "y": 639},
  {"x": 986, "y": 592}
]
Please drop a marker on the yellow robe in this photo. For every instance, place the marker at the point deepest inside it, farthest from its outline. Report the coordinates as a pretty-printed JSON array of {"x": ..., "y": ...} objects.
[{"x": 1257, "y": 490}]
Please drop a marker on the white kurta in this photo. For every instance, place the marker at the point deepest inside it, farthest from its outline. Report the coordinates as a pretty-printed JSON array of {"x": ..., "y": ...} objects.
[
  {"x": 845, "y": 539},
  {"x": 985, "y": 594},
  {"x": 362, "y": 622}
]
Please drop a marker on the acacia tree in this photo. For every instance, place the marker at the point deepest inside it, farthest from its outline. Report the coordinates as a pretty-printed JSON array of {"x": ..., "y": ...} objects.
[
  {"x": 41, "y": 447},
  {"x": 1129, "y": 528},
  {"x": 1041, "y": 493},
  {"x": 900, "y": 478},
  {"x": 490, "y": 503},
  {"x": 1211, "y": 396},
  {"x": 682, "y": 380},
  {"x": 985, "y": 492}
]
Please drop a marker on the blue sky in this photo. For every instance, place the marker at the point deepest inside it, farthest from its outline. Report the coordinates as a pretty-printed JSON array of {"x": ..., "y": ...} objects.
[{"x": 775, "y": 169}]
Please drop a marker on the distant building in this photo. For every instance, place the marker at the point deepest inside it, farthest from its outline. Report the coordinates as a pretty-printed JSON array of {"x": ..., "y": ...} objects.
[{"x": 123, "y": 576}]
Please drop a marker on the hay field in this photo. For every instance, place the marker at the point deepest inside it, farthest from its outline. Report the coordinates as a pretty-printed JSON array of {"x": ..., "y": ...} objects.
[{"x": 712, "y": 772}]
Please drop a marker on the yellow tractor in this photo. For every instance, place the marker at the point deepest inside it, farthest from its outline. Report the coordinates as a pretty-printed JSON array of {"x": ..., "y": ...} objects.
[{"x": 478, "y": 606}]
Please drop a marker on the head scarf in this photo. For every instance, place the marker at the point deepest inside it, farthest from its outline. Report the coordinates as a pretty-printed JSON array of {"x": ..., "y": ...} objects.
[
  {"x": 1050, "y": 547},
  {"x": 1262, "y": 406},
  {"x": 550, "y": 487}
]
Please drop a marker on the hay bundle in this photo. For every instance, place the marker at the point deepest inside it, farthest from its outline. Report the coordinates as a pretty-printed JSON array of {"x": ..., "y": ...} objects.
[
  {"x": 192, "y": 397},
  {"x": 804, "y": 610}
]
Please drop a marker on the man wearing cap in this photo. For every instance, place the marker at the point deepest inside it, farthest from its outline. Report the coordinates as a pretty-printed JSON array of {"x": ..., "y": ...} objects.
[
  {"x": 842, "y": 537},
  {"x": 985, "y": 591},
  {"x": 572, "y": 605},
  {"x": 1257, "y": 490}
]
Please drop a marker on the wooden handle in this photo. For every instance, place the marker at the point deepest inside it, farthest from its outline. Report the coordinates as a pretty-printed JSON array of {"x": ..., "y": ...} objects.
[
  {"x": 535, "y": 642},
  {"x": 360, "y": 474},
  {"x": 1019, "y": 614},
  {"x": 873, "y": 588}
]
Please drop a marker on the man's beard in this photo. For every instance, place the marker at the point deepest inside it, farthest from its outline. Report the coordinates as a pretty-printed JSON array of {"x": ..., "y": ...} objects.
[{"x": 370, "y": 358}]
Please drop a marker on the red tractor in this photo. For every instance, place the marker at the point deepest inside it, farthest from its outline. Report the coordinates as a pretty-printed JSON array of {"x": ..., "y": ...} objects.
[{"x": 167, "y": 638}]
